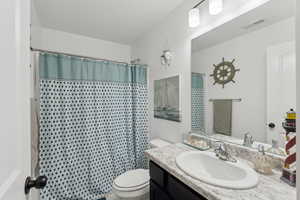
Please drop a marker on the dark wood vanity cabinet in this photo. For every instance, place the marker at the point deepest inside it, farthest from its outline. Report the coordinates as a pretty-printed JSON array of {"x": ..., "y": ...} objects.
[
  {"x": 164, "y": 186},
  {"x": 156, "y": 193}
]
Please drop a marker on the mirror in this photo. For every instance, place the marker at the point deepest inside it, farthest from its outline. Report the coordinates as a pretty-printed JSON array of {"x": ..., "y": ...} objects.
[{"x": 243, "y": 77}]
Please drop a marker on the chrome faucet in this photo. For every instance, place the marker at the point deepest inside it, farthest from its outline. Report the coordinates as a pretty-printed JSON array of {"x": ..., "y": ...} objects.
[
  {"x": 261, "y": 149},
  {"x": 248, "y": 140},
  {"x": 222, "y": 152}
]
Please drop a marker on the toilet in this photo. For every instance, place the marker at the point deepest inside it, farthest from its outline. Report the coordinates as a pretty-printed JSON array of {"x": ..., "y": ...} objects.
[{"x": 134, "y": 184}]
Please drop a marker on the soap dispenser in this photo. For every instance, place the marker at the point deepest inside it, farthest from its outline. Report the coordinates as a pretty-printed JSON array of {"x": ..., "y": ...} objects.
[
  {"x": 261, "y": 163},
  {"x": 275, "y": 149}
]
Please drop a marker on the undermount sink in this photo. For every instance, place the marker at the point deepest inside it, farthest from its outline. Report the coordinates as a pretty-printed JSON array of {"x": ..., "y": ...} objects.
[{"x": 206, "y": 167}]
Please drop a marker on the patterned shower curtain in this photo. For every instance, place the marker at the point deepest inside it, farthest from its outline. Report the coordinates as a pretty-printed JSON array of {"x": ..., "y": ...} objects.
[
  {"x": 93, "y": 124},
  {"x": 198, "y": 103}
]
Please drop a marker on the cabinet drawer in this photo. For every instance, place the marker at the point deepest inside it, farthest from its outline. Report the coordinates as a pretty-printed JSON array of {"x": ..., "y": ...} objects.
[
  {"x": 179, "y": 191},
  {"x": 158, "y": 175}
]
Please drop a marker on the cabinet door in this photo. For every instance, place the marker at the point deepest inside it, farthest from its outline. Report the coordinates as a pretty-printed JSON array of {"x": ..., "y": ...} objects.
[
  {"x": 158, "y": 175},
  {"x": 156, "y": 193},
  {"x": 179, "y": 191}
]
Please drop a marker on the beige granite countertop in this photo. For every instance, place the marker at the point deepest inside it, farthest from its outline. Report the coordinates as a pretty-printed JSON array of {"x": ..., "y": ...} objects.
[{"x": 269, "y": 187}]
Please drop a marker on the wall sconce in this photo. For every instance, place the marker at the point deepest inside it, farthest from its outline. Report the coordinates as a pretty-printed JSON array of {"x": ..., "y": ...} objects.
[
  {"x": 166, "y": 58},
  {"x": 194, "y": 17},
  {"x": 215, "y": 7}
]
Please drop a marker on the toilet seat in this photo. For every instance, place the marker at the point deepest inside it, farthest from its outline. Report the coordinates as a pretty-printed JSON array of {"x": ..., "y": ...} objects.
[
  {"x": 132, "y": 185},
  {"x": 132, "y": 180},
  {"x": 135, "y": 184}
]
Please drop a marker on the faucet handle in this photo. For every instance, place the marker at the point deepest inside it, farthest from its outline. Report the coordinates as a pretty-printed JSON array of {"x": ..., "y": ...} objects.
[
  {"x": 220, "y": 145},
  {"x": 261, "y": 148},
  {"x": 220, "y": 148},
  {"x": 246, "y": 136},
  {"x": 251, "y": 139},
  {"x": 248, "y": 139},
  {"x": 222, "y": 152}
]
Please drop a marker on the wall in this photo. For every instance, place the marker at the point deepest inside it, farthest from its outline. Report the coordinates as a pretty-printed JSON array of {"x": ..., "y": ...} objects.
[
  {"x": 48, "y": 39},
  {"x": 34, "y": 19},
  {"x": 173, "y": 33},
  {"x": 249, "y": 51},
  {"x": 298, "y": 92}
]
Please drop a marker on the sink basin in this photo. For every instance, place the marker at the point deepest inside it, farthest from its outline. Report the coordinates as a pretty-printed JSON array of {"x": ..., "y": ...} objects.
[{"x": 206, "y": 167}]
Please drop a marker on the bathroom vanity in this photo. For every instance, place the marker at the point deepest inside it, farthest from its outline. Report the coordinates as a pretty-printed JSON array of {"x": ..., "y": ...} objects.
[{"x": 168, "y": 182}]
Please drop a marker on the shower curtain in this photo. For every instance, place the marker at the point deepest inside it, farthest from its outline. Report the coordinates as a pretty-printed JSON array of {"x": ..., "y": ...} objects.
[
  {"x": 198, "y": 103},
  {"x": 93, "y": 124}
]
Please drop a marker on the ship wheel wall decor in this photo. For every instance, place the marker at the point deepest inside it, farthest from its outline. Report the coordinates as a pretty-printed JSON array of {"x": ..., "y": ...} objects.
[{"x": 224, "y": 72}]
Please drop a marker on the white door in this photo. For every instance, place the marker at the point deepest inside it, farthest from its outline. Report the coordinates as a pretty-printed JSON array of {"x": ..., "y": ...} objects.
[
  {"x": 14, "y": 98},
  {"x": 281, "y": 87}
]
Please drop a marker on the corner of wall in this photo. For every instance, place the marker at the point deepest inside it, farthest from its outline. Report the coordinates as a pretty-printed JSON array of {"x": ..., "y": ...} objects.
[{"x": 298, "y": 91}]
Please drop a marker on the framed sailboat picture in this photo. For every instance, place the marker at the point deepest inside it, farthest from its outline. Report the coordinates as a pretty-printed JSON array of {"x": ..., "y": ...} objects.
[{"x": 166, "y": 99}]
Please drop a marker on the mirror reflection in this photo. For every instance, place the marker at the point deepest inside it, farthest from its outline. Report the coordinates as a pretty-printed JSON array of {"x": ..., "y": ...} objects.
[{"x": 243, "y": 77}]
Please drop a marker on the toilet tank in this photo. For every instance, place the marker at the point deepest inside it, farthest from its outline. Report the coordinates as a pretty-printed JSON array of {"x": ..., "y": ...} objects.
[{"x": 157, "y": 143}]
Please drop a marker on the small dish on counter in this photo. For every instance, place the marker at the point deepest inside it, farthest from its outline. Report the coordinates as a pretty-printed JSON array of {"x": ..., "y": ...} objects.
[{"x": 195, "y": 142}]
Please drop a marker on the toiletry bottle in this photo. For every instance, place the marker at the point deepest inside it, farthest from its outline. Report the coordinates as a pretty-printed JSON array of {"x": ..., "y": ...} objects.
[{"x": 261, "y": 163}]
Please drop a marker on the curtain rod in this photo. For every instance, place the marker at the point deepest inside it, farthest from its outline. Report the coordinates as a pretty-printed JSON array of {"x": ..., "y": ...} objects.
[
  {"x": 198, "y": 4},
  {"x": 86, "y": 57},
  {"x": 238, "y": 100}
]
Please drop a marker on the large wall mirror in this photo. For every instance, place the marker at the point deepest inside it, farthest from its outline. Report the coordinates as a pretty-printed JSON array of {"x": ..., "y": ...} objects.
[{"x": 243, "y": 77}]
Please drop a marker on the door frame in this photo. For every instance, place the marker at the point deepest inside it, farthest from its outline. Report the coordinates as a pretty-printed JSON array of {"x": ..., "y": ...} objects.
[
  {"x": 273, "y": 52},
  {"x": 12, "y": 187}
]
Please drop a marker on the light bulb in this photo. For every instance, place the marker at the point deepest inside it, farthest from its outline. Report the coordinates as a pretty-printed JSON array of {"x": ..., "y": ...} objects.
[
  {"x": 215, "y": 6},
  {"x": 194, "y": 17}
]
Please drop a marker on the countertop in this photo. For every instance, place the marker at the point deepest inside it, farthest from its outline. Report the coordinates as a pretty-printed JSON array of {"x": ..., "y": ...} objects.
[{"x": 269, "y": 187}]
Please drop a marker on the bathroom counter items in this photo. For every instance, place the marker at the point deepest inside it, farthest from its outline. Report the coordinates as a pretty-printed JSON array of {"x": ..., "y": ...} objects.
[{"x": 269, "y": 187}]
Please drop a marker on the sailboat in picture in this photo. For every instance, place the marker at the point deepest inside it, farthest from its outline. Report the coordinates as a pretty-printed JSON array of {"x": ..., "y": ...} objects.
[{"x": 166, "y": 99}]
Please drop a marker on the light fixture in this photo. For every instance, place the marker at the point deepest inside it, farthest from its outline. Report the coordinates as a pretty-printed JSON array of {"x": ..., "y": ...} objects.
[
  {"x": 194, "y": 17},
  {"x": 215, "y": 6},
  {"x": 166, "y": 58}
]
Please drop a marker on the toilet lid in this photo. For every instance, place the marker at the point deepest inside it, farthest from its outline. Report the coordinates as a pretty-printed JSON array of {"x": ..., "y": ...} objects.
[{"x": 132, "y": 179}]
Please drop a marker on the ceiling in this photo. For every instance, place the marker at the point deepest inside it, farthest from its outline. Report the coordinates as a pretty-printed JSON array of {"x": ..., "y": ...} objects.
[
  {"x": 119, "y": 21},
  {"x": 271, "y": 12}
]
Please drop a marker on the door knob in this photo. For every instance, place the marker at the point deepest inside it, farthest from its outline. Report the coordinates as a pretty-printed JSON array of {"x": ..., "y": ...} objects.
[
  {"x": 38, "y": 183},
  {"x": 271, "y": 125}
]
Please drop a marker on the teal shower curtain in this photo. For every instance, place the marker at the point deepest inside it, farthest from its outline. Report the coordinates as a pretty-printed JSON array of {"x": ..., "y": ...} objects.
[
  {"x": 93, "y": 124},
  {"x": 198, "y": 103}
]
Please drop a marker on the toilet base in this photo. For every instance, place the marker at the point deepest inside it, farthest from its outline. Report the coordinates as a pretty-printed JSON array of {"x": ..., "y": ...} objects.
[
  {"x": 115, "y": 197},
  {"x": 144, "y": 197}
]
